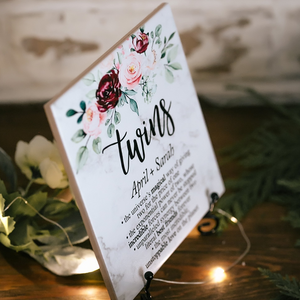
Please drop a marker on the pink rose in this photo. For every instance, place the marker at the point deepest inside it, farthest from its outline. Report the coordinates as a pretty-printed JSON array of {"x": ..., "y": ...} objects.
[
  {"x": 131, "y": 71},
  {"x": 92, "y": 121}
]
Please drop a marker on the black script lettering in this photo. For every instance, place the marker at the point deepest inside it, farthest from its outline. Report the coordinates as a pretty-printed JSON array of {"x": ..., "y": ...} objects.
[
  {"x": 160, "y": 162},
  {"x": 135, "y": 149}
]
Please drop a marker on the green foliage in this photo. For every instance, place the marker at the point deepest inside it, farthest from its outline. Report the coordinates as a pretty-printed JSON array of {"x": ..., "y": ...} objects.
[
  {"x": 289, "y": 287},
  {"x": 7, "y": 167},
  {"x": 27, "y": 225},
  {"x": 78, "y": 136},
  {"x": 81, "y": 157},
  {"x": 271, "y": 162},
  {"x": 172, "y": 54},
  {"x": 7, "y": 223},
  {"x": 111, "y": 130},
  {"x": 97, "y": 145},
  {"x": 91, "y": 94},
  {"x": 134, "y": 106},
  {"x": 89, "y": 79}
]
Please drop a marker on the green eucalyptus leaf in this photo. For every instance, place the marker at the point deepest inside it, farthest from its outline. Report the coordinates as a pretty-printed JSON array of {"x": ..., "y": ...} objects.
[
  {"x": 78, "y": 136},
  {"x": 163, "y": 54},
  {"x": 111, "y": 130},
  {"x": 108, "y": 112},
  {"x": 175, "y": 66},
  {"x": 123, "y": 97},
  {"x": 71, "y": 112},
  {"x": 82, "y": 105},
  {"x": 134, "y": 106},
  {"x": 130, "y": 92},
  {"x": 169, "y": 46},
  {"x": 158, "y": 30},
  {"x": 88, "y": 79},
  {"x": 81, "y": 157},
  {"x": 97, "y": 145},
  {"x": 7, "y": 167},
  {"x": 119, "y": 58},
  {"x": 117, "y": 117},
  {"x": 171, "y": 36},
  {"x": 107, "y": 122},
  {"x": 91, "y": 94},
  {"x": 169, "y": 75},
  {"x": 79, "y": 120},
  {"x": 172, "y": 54},
  {"x": 152, "y": 34},
  {"x": 120, "y": 102},
  {"x": 165, "y": 40}
]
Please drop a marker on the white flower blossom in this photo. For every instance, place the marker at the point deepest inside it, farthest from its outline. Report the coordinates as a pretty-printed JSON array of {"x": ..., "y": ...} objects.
[{"x": 39, "y": 160}]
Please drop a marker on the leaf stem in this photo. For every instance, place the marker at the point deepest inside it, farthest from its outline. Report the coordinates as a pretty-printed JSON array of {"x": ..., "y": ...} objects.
[{"x": 87, "y": 140}]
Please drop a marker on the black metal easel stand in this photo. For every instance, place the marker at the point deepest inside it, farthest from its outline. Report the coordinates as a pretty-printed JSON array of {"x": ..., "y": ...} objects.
[{"x": 208, "y": 225}]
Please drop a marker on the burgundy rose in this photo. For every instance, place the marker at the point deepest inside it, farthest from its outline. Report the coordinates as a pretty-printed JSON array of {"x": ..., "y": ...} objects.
[
  {"x": 108, "y": 92},
  {"x": 140, "y": 44}
]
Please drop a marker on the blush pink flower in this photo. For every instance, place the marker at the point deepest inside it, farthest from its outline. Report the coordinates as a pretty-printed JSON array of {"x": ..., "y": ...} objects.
[
  {"x": 92, "y": 121},
  {"x": 131, "y": 71}
]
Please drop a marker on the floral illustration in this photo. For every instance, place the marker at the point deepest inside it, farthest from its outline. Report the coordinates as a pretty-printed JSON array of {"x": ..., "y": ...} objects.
[{"x": 122, "y": 78}]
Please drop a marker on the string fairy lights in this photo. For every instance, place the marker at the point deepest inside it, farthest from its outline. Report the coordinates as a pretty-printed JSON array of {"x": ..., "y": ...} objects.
[
  {"x": 218, "y": 274},
  {"x": 38, "y": 213}
]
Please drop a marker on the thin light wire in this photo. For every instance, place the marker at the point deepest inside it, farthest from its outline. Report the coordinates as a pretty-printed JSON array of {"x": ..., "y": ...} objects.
[
  {"x": 224, "y": 213},
  {"x": 243, "y": 233},
  {"x": 43, "y": 217},
  {"x": 179, "y": 282}
]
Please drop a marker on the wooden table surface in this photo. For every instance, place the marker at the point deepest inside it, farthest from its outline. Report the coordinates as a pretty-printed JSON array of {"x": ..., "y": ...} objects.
[{"x": 272, "y": 239}]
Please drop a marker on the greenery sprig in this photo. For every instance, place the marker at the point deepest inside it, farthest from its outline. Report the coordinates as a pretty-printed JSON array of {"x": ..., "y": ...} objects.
[
  {"x": 289, "y": 287},
  {"x": 271, "y": 164},
  {"x": 42, "y": 221}
]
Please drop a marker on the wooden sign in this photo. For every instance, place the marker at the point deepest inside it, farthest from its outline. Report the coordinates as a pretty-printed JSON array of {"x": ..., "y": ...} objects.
[{"x": 137, "y": 152}]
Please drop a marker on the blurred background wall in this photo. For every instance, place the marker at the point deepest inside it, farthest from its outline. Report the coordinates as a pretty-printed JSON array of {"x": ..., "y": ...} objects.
[{"x": 44, "y": 44}]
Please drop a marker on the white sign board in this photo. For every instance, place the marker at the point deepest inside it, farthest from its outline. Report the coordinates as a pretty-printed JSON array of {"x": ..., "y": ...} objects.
[{"x": 137, "y": 152}]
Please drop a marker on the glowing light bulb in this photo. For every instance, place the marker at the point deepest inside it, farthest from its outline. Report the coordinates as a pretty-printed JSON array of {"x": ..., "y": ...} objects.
[
  {"x": 233, "y": 220},
  {"x": 218, "y": 274}
]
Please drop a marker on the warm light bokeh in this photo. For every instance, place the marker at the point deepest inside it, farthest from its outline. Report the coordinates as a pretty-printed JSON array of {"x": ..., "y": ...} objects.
[{"x": 218, "y": 274}]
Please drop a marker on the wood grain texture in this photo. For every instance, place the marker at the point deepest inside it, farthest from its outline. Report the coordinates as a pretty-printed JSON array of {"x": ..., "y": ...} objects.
[{"x": 272, "y": 239}]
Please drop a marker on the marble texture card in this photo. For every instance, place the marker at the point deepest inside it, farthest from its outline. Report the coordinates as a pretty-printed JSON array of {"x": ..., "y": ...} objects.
[{"x": 137, "y": 152}]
